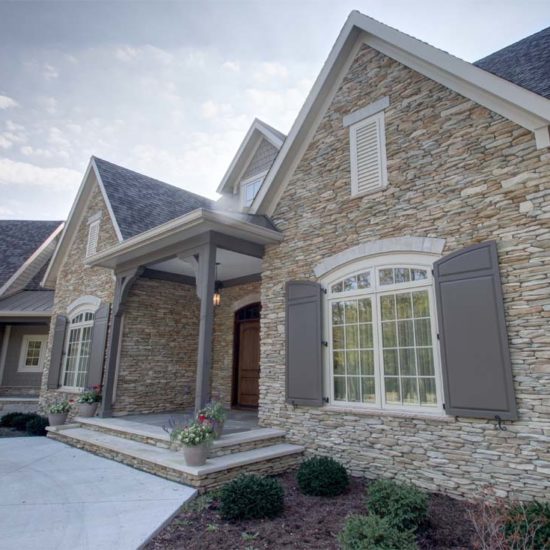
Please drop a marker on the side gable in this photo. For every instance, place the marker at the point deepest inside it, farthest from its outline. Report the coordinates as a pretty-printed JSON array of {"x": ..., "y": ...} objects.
[
  {"x": 90, "y": 182},
  {"x": 513, "y": 102}
]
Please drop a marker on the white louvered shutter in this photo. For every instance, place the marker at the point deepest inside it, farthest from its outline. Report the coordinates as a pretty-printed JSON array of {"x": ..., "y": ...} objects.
[
  {"x": 93, "y": 236},
  {"x": 368, "y": 155}
]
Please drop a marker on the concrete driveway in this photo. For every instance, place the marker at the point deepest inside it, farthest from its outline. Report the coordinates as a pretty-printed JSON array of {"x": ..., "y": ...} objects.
[{"x": 55, "y": 496}]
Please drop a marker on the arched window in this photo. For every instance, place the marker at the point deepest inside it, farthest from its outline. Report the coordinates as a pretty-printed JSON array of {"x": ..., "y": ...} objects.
[
  {"x": 382, "y": 334},
  {"x": 77, "y": 351}
]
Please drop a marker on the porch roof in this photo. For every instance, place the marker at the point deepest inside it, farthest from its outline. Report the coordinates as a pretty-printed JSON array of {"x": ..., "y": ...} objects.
[{"x": 145, "y": 248}]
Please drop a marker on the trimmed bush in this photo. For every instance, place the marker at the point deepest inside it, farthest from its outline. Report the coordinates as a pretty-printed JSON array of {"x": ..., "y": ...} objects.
[
  {"x": 7, "y": 420},
  {"x": 251, "y": 497},
  {"x": 37, "y": 425},
  {"x": 404, "y": 505},
  {"x": 374, "y": 533},
  {"x": 322, "y": 477},
  {"x": 528, "y": 525},
  {"x": 20, "y": 422}
]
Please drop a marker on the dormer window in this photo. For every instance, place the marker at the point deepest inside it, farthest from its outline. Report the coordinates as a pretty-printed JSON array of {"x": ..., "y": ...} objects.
[{"x": 249, "y": 189}]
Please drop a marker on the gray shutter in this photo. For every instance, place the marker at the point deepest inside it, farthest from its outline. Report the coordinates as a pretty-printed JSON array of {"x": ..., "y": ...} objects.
[
  {"x": 99, "y": 339},
  {"x": 56, "y": 357},
  {"x": 304, "y": 370},
  {"x": 477, "y": 371}
]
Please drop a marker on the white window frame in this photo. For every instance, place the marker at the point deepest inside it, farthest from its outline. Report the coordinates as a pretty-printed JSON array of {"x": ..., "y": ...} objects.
[
  {"x": 85, "y": 308},
  {"x": 93, "y": 238},
  {"x": 247, "y": 182},
  {"x": 419, "y": 261},
  {"x": 26, "y": 340},
  {"x": 381, "y": 125}
]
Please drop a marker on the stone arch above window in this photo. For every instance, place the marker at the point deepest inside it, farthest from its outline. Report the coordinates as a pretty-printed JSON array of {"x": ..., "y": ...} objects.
[
  {"x": 91, "y": 303},
  {"x": 425, "y": 245}
]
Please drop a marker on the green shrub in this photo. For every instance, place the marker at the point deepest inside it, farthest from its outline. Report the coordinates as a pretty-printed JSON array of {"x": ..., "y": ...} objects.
[
  {"x": 323, "y": 477},
  {"x": 37, "y": 425},
  {"x": 20, "y": 422},
  {"x": 251, "y": 497},
  {"x": 528, "y": 525},
  {"x": 404, "y": 505},
  {"x": 374, "y": 533},
  {"x": 7, "y": 420}
]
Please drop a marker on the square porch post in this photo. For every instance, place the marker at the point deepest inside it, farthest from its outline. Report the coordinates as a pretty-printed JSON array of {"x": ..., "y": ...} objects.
[{"x": 207, "y": 277}]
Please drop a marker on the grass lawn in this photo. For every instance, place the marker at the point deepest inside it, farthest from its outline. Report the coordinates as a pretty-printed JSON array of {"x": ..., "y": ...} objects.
[{"x": 307, "y": 523}]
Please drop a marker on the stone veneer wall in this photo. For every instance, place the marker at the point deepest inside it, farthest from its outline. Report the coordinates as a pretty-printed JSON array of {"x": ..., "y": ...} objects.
[
  {"x": 158, "y": 356},
  {"x": 456, "y": 171},
  {"x": 232, "y": 299},
  {"x": 75, "y": 279}
]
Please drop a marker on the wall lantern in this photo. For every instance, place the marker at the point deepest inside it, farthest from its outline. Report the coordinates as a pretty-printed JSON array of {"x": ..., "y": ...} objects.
[{"x": 217, "y": 296}]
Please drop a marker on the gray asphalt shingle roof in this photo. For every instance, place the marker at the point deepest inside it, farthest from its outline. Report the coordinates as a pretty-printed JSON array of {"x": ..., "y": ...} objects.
[
  {"x": 525, "y": 63},
  {"x": 18, "y": 240},
  {"x": 140, "y": 203}
]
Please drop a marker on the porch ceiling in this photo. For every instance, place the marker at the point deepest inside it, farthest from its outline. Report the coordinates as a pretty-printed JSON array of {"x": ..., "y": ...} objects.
[{"x": 231, "y": 265}]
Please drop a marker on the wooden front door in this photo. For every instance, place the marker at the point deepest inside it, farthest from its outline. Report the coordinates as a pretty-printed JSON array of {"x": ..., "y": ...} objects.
[{"x": 247, "y": 371}]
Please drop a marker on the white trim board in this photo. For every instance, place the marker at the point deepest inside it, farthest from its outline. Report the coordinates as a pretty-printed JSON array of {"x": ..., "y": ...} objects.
[{"x": 518, "y": 104}]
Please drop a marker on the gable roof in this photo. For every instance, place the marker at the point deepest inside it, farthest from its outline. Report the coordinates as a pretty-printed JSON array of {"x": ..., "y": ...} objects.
[
  {"x": 140, "y": 203},
  {"x": 528, "y": 109},
  {"x": 21, "y": 243},
  {"x": 258, "y": 130},
  {"x": 525, "y": 63}
]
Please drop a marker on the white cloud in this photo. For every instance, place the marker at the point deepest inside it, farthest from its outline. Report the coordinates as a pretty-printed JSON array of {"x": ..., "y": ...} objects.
[
  {"x": 49, "y": 104},
  {"x": 57, "y": 137},
  {"x": 7, "y": 102},
  {"x": 210, "y": 109},
  {"x": 49, "y": 72},
  {"x": 232, "y": 66},
  {"x": 268, "y": 72},
  {"x": 126, "y": 53},
  {"x": 15, "y": 173}
]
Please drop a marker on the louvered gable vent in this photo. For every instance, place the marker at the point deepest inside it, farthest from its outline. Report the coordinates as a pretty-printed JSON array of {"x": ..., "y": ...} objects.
[
  {"x": 93, "y": 236},
  {"x": 368, "y": 155}
]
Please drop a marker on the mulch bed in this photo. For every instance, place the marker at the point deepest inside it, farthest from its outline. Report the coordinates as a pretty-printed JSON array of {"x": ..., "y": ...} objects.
[
  {"x": 307, "y": 523},
  {"x": 12, "y": 432}
]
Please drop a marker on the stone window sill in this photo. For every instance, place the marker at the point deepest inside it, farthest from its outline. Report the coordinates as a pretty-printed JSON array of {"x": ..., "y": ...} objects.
[{"x": 413, "y": 415}]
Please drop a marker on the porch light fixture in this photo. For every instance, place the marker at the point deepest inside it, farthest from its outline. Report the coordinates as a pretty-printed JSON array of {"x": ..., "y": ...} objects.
[{"x": 217, "y": 298}]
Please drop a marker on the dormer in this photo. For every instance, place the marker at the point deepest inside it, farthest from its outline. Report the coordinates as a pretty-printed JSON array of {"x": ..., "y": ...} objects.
[{"x": 249, "y": 167}]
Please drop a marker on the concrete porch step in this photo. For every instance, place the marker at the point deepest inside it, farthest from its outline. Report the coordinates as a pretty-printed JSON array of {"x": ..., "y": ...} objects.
[
  {"x": 170, "y": 464},
  {"x": 153, "y": 435}
]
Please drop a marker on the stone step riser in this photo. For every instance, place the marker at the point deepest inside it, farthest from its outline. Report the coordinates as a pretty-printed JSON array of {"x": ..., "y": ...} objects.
[
  {"x": 211, "y": 481},
  {"x": 164, "y": 444}
]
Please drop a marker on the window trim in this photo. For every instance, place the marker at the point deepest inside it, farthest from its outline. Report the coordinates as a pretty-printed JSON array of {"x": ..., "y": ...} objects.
[
  {"x": 373, "y": 263},
  {"x": 24, "y": 350},
  {"x": 91, "y": 250},
  {"x": 245, "y": 182},
  {"x": 82, "y": 309},
  {"x": 379, "y": 117}
]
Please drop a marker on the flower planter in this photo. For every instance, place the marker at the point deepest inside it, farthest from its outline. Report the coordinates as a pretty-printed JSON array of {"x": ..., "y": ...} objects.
[
  {"x": 195, "y": 455},
  {"x": 218, "y": 429},
  {"x": 87, "y": 410},
  {"x": 57, "y": 419}
]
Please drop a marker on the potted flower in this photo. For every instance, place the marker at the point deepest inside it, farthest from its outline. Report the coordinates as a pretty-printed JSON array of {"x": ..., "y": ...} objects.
[
  {"x": 194, "y": 440},
  {"x": 58, "y": 412},
  {"x": 213, "y": 414},
  {"x": 88, "y": 401}
]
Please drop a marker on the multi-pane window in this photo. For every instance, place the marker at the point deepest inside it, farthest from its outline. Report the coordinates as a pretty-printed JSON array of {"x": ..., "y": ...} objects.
[
  {"x": 77, "y": 355},
  {"x": 33, "y": 349},
  {"x": 249, "y": 190},
  {"x": 382, "y": 341}
]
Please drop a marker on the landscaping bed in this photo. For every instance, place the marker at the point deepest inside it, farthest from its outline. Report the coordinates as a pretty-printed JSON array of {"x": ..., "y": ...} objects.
[{"x": 308, "y": 522}]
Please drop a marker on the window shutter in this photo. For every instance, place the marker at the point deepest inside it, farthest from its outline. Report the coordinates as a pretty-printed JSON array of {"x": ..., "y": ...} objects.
[
  {"x": 477, "y": 371},
  {"x": 99, "y": 339},
  {"x": 368, "y": 155},
  {"x": 304, "y": 370},
  {"x": 56, "y": 357},
  {"x": 93, "y": 236}
]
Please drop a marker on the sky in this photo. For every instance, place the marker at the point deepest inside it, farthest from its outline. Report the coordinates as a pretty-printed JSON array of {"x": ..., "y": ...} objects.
[{"x": 169, "y": 89}]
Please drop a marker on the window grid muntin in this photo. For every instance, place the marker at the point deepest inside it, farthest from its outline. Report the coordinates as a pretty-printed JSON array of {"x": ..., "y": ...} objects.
[
  {"x": 78, "y": 350},
  {"x": 376, "y": 291}
]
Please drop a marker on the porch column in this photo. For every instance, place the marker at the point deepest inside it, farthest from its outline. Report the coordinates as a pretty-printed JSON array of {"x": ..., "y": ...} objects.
[
  {"x": 206, "y": 274},
  {"x": 124, "y": 282}
]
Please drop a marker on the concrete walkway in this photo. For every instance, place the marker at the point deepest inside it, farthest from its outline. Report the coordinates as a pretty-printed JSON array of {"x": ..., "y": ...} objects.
[{"x": 53, "y": 496}]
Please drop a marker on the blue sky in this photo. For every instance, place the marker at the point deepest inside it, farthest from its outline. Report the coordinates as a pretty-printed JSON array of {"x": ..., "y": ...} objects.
[{"x": 170, "y": 88}]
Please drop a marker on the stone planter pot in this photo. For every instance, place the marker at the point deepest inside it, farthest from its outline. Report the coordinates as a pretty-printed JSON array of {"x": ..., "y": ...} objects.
[
  {"x": 218, "y": 429},
  {"x": 57, "y": 419},
  {"x": 196, "y": 455},
  {"x": 87, "y": 410}
]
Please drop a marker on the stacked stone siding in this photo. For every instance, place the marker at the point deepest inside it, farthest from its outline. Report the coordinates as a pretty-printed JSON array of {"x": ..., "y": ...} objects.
[
  {"x": 75, "y": 279},
  {"x": 456, "y": 171},
  {"x": 232, "y": 299},
  {"x": 158, "y": 355}
]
